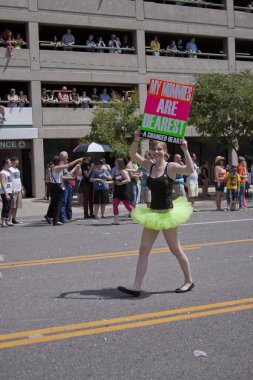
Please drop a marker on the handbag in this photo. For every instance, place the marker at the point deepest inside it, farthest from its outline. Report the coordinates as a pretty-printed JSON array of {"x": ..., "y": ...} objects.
[{"x": 60, "y": 187}]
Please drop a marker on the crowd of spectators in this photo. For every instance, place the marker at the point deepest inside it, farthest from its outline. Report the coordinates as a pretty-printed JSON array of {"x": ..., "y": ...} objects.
[
  {"x": 175, "y": 48},
  {"x": 93, "y": 43},
  {"x": 11, "y": 42},
  {"x": 71, "y": 98},
  {"x": 12, "y": 99}
]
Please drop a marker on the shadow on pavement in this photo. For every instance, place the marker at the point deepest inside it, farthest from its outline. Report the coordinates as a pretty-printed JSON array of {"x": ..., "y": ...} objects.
[{"x": 106, "y": 293}]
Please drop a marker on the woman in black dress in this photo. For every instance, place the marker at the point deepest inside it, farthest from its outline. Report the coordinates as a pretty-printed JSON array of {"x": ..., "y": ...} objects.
[{"x": 122, "y": 191}]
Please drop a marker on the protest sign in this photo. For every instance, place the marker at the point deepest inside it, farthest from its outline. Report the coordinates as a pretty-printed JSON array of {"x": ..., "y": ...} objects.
[{"x": 166, "y": 111}]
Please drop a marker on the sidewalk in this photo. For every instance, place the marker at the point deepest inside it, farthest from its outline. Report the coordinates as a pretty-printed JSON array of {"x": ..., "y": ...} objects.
[{"x": 33, "y": 207}]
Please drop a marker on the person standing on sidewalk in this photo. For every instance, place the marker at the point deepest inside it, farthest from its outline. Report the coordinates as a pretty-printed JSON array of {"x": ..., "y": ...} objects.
[
  {"x": 16, "y": 201},
  {"x": 219, "y": 180},
  {"x": 163, "y": 214},
  {"x": 233, "y": 187},
  {"x": 242, "y": 171},
  {"x": 179, "y": 180},
  {"x": 6, "y": 191},
  {"x": 192, "y": 182},
  {"x": 56, "y": 189},
  {"x": 67, "y": 195},
  {"x": 87, "y": 187}
]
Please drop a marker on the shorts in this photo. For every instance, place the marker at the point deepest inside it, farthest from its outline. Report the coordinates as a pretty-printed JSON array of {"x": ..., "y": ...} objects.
[
  {"x": 179, "y": 190},
  {"x": 193, "y": 189},
  {"x": 101, "y": 197},
  {"x": 16, "y": 201},
  {"x": 145, "y": 196},
  {"x": 232, "y": 193},
  {"x": 221, "y": 186}
]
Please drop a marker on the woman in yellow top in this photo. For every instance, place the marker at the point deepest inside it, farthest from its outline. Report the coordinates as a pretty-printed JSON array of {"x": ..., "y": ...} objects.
[
  {"x": 18, "y": 42},
  {"x": 233, "y": 187},
  {"x": 155, "y": 46},
  {"x": 219, "y": 180}
]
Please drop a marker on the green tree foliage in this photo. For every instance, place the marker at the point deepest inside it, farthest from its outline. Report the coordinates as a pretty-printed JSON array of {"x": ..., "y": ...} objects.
[
  {"x": 115, "y": 125},
  {"x": 222, "y": 107}
]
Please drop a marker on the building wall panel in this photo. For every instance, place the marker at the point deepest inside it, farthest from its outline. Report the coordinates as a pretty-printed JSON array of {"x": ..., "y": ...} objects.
[
  {"x": 14, "y": 3},
  {"x": 243, "y": 19},
  {"x": 19, "y": 59},
  {"x": 244, "y": 65},
  {"x": 88, "y": 61},
  {"x": 123, "y": 8},
  {"x": 181, "y": 14},
  {"x": 186, "y": 65},
  {"x": 66, "y": 116}
]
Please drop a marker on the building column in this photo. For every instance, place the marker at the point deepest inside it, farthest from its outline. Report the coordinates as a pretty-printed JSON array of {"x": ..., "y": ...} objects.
[
  {"x": 232, "y": 157},
  {"x": 33, "y": 5},
  {"x": 231, "y": 55},
  {"x": 139, "y": 9},
  {"x": 140, "y": 42},
  {"x": 38, "y": 170},
  {"x": 33, "y": 43}
]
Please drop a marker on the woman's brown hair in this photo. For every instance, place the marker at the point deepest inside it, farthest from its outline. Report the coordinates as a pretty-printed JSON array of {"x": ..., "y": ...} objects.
[{"x": 154, "y": 144}]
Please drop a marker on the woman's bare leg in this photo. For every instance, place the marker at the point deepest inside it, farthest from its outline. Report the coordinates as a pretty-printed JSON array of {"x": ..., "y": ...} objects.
[
  {"x": 96, "y": 208},
  {"x": 102, "y": 210},
  {"x": 171, "y": 237},
  {"x": 148, "y": 238}
]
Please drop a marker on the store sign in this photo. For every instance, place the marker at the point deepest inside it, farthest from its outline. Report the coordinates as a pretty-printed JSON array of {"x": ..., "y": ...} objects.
[
  {"x": 14, "y": 144},
  {"x": 166, "y": 111}
]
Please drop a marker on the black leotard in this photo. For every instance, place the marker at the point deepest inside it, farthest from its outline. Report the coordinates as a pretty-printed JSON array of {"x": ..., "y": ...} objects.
[{"x": 161, "y": 190}]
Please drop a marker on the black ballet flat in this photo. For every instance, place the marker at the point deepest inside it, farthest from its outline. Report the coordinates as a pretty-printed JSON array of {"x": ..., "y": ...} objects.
[
  {"x": 134, "y": 293},
  {"x": 190, "y": 287},
  {"x": 47, "y": 219}
]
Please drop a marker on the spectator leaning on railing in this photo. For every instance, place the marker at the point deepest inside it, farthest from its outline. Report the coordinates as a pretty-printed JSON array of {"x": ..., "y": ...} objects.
[
  {"x": 105, "y": 98},
  {"x": 155, "y": 46},
  {"x": 172, "y": 48},
  {"x": 101, "y": 44},
  {"x": 63, "y": 97},
  {"x": 192, "y": 48},
  {"x": 114, "y": 43},
  {"x": 74, "y": 98},
  {"x": 84, "y": 100},
  {"x": 12, "y": 98},
  {"x": 22, "y": 99},
  {"x": 91, "y": 43},
  {"x": 180, "y": 46},
  {"x": 18, "y": 42},
  {"x": 68, "y": 40}
]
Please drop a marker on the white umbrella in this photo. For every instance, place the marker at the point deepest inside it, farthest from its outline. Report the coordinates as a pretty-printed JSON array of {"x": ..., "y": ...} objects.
[{"x": 92, "y": 148}]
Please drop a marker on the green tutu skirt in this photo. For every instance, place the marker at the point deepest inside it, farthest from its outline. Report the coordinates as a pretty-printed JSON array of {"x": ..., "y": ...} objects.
[{"x": 162, "y": 220}]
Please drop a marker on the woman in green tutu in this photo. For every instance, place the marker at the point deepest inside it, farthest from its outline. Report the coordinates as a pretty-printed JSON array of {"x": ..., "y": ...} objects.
[{"x": 163, "y": 214}]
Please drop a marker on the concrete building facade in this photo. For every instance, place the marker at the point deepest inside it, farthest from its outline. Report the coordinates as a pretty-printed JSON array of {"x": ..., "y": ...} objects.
[{"x": 224, "y": 27}]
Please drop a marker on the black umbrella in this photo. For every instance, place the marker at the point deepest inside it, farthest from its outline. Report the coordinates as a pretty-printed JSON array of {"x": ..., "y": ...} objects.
[{"x": 92, "y": 148}]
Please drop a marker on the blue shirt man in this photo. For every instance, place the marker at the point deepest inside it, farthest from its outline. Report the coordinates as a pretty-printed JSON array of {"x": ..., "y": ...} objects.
[{"x": 191, "y": 46}]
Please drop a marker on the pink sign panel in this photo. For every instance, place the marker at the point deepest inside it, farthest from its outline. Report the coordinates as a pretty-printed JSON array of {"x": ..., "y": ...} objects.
[{"x": 167, "y": 108}]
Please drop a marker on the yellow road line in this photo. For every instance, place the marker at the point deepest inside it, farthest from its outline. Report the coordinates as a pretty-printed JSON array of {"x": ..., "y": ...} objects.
[
  {"x": 73, "y": 259},
  {"x": 78, "y": 326},
  {"x": 112, "y": 255},
  {"x": 123, "y": 323}
]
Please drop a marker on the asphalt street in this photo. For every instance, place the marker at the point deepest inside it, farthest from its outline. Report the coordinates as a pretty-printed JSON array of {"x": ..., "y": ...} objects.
[{"x": 62, "y": 316}]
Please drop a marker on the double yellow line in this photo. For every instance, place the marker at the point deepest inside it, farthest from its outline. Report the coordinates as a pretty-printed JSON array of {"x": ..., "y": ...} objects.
[
  {"x": 123, "y": 323},
  {"x": 112, "y": 255}
]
